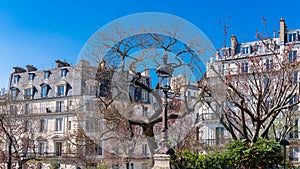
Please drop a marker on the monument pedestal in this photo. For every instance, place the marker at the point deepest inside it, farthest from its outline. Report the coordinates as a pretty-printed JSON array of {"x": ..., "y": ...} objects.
[{"x": 161, "y": 161}]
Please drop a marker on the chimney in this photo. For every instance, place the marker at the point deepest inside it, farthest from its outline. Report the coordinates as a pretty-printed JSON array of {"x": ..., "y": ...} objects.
[
  {"x": 234, "y": 43},
  {"x": 18, "y": 70},
  {"x": 61, "y": 64},
  {"x": 84, "y": 62},
  {"x": 31, "y": 68},
  {"x": 282, "y": 30}
]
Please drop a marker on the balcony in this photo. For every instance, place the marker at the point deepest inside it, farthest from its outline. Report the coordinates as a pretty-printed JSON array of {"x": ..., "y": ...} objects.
[
  {"x": 45, "y": 111},
  {"x": 49, "y": 155},
  {"x": 208, "y": 118},
  {"x": 214, "y": 143}
]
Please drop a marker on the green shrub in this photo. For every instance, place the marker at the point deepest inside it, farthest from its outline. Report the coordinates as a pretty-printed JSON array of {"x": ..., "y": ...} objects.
[{"x": 237, "y": 154}]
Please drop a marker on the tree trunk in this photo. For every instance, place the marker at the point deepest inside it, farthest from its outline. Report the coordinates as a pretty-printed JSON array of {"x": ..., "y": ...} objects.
[
  {"x": 9, "y": 162},
  {"x": 151, "y": 142}
]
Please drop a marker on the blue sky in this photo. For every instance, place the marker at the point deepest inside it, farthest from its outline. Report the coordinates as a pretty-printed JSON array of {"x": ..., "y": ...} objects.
[{"x": 38, "y": 32}]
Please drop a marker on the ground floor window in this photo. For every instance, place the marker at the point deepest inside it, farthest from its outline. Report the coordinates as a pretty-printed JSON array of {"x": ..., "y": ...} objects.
[{"x": 58, "y": 148}]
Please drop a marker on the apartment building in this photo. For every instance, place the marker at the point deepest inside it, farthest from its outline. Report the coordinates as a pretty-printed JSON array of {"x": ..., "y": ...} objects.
[
  {"x": 239, "y": 60},
  {"x": 58, "y": 111}
]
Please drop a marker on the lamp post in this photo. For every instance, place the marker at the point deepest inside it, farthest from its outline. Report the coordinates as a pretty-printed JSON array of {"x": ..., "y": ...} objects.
[
  {"x": 284, "y": 143},
  {"x": 164, "y": 73}
]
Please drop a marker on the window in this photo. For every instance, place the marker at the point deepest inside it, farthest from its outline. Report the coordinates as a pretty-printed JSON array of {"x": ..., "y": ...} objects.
[
  {"x": 58, "y": 124},
  {"x": 137, "y": 94},
  {"x": 58, "y": 148},
  {"x": 131, "y": 93},
  {"x": 63, "y": 72},
  {"x": 30, "y": 76},
  {"x": 144, "y": 166},
  {"x": 91, "y": 106},
  {"x": 219, "y": 135},
  {"x": 13, "y": 109},
  {"x": 245, "y": 50},
  {"x": 292, "y": 100},
  {"x": 189, "y": 94},
  {"x": 225, "y": 53},
  {"x": 60, "y": 106},
  {"x": 28, "y": 93},
  {"x": 269, "y": 64},
  {"x": 98, "y": 149},
  {"x": 292, "y": 56},
  {"x": 92, "y": 90},
  {"x": 244, "y": 67},
  {"x": 16, "y": 79},
  {"x": 61, "y": 90},
  {"x": 47, "y": 74},
  {"x": 26, "y": 125},
  {"x": 294, "y": 133},
  {"x": 41, "y": 148},
  {"x": 69, "y": 125},
  {"x": 254, "y": 48},
  {"x": 104, "y": 89},
  {"x": 294, "y": 78},
  {"x": 27, "y": 109},
  {"x": 93, "y": 148},
  {"x": 44, "y": 90},
  {"x": 92, "y": 125},
  {"x": 14, "y": 93},
  {"x": 294, "y": 154},
  {"x": 145, "y": 111},
  {"x": 145, "y": 96},
  {"x": 222, "y": 68},
  {"x": 68, "y": 149},
  {"x": 144, "y": 149},
  {"x": 292, "y": 37},
  {"x": 43, "y": 125}
]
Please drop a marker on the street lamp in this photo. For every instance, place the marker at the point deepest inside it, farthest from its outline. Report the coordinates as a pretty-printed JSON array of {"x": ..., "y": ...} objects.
[{"x": 164, "y": 73}]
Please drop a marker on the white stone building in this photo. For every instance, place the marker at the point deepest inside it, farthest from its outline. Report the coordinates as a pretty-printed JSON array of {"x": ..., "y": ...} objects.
[
  {"x": 238, "y": 59},
  {"x": 60, "y": 110}
]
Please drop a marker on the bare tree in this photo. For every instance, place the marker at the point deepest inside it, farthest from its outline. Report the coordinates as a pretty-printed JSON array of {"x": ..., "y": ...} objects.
[
  {"x": 129, "y": 63},
  {"x": 17, "y": 132},
  {"x": 254, "y": 95}
]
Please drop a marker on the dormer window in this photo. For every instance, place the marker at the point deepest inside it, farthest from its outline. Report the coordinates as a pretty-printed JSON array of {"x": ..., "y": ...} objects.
[
  {"x": 16, "y": 79},
  {"x": 225, "y": 52},
  {"x": 61, "y": 90},
  {"x": 47, "y": 74},
  {"x": 14, "y": 93},
  {"x": 245, "y": 50},
  {"x": 28, "y": 93},
  {"x": 104, "y": 89},
  {"x": 31, "y": 76},
  {"x": 292, "y": 37},
  {"x": 254, "y": 48},
  {"x": 63, "y": 72},
  {"x": 44, "y": 90}
]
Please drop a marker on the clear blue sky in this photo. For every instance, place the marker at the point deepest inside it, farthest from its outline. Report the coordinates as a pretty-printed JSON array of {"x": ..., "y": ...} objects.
[{"x": 38, "y": 32}]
